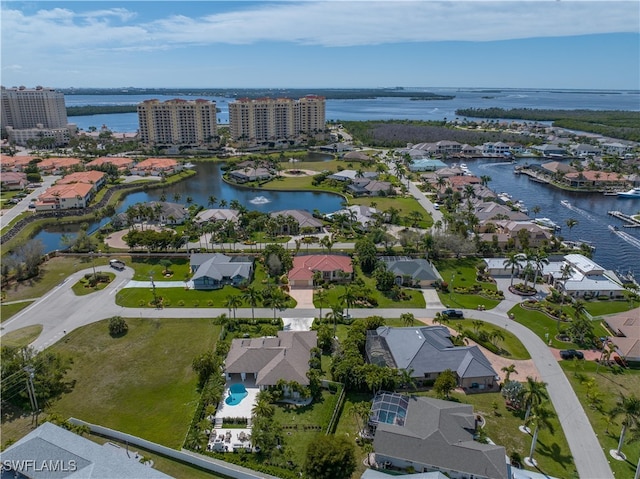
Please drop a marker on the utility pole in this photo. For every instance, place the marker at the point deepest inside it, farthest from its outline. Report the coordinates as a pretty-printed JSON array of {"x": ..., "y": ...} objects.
[
  {"x": 32, "y": 394},
  {"x": 93, "y": 263},
  {"x": 153, "y": 286}
]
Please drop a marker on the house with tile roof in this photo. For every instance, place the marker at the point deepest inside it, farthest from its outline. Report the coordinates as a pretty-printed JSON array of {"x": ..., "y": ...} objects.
[
  {"x": 121, "y": 163},
  {"x": 156, "y": 167},
  {"x": 302, "y": 220},
  {"x": 268, "y": 360},
  {"x": 626, "y": 329},
  {"x": 427, "y": 351},
  {"x": 73, "y": 456},
  {"x": 432, "y": 435},
  {"x": 250, "y": 174},
  {"x": 334, "y": 267},
  {"x": 15, "y": 163},
  {"x": 94, "y": 178},
  {"x": 56, "y": 166},
  {"x": 65, "y": 197},
  {"x": 13, "y": 180},
  {"x": 215, "y": 270}
]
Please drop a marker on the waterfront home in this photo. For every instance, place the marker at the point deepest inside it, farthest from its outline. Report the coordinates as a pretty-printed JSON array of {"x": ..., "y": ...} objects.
[
  {"x": 626, "y": 329},
  {"x": 156, "y": 167},
  {"x": 13, "y": 180},
  {"x": 583, "y": 150},
  {"x": 270, "y": 360},
  {"x": 496, "y": 148},
  {"x": 53, "y": 451},
  {"x": 301, "y": 220},
  {"x": 427, "y": 351},
  {"x": 524, "y": 234},
  {"x": 615, "y": 148},
  {"x": 121, "y": 163},
  {"x": 57, "y": 166},
  {"x": 413, "y": 272},
  {"x": 550, "y": 150},
  {"x": 217, "y": 214},
  {"x": 364, "y": 187},
  {"x": 250, "y": 174},
  {"x": 496, "y": 267},
  {"x": 94, "y": 178},
  {"x": 65, "y": 197},
  {"x": 449, "y": 172},
  {"x": 595, "y": 179},
  {"x": 587, "y": 279},
  {"x": 555, "y": 167},
  {"x": 160, "y": 212},
  {"x": 362, "y": 214},
  {"x": 448, "y": 147},
  {"x": 352, "y": 175},
  {"x": 426, "y": 164},
  {"x": 490, "y": 211},
  {"x": 332, "y": 267},
  {"x": 357, "y": 156},
  {"x": 215, "y": 270},
  {"x": 431, "y": 435},
  {"x": 469, "y": 150},
  {"x": 15, "y": 163}
]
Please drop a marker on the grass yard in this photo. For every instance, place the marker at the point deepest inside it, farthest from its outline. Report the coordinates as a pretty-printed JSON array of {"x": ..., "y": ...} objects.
[
  {"x": 8, "y": 310},
  {"x": 145, "y": 267},
  {"x": 405, "y": 205},
  {"x": 609, "y": 384},
  {"x": 141, "y": 383},
  {"x": 600, "y": 308},
  {"x": 462, "y": 273},
  {"x": 348, "y": 425},
  {"x": 541, "y": 324},
  {"x": 22, "y": 337}
]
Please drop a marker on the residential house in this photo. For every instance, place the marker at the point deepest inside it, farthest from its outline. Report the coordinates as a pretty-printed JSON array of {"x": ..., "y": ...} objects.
[
  {"x": 495, "y": 267},
  {"x": 595, "y": 179},
  {"x": 490, "y": 211},
  {"x": 121, "y": 163},
  {"x": 303, "y": 221},
  {"x": 65, "y": 197},
  {"x": 460, "y": 182},
  {"x": 426, "y": 164},
  {"x": 357, "y": 156},
  {"x": 615, "y": 148},
  {"x": 250, "y": 174},
  {"x": 468, "y": 150},
  {"x": 362, "y": 214},
  {"x": 587, "y": 279},
  {"x": 94, "y": 178},
  {"x": 550, "y": 150},
  {"x": 162, "y": 213},
  {"x": 156, "y": 167},
  {"x": 448, "y": 147},
  {"x": 269, "y": 360},
  {"x": 626, "y": 330},
  {"x": 15, "y": 163},
  {"x": 426, "y": 351},
  {"x": 370, "y": 188},
  {"x": 532, "y": 234},
  {"x": 57, "y": 166},
  {"x": 555, "y": 167},
  {"x": 449, "y": 172},
  {"x": 414, "y": 272},
  {"x": 583, "y": 150},
  {"x": 12, "y": 180},
  {"x": 497, "y": 148},
  {"x": 352, "y": 175},
  {"x": 432, "y": 435},
  {"x": 333, "y": 267},
  {"x": 215, "y": 270},
  {"x": 73, "y": 456},
  {"x": 217, "y": 214},
  {"x": 375, "y": 474}
]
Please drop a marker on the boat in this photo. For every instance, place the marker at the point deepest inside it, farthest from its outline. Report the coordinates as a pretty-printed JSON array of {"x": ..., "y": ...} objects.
[
  {"x": 546, "y": 223},
  {"x": 632, "y": 193},
  {"x": 566, "y": 203},
  {"x": 504, "y": 197},
  {"x": 520, "y": 206},
  {"x": 613, "y": 228}
]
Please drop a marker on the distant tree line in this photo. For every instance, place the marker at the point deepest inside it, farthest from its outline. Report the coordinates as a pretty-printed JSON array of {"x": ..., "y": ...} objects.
[
  {"x": 99, "y": 109},
  {"x": 613, "y": 123},
  {"x": 397, "y": 133}
]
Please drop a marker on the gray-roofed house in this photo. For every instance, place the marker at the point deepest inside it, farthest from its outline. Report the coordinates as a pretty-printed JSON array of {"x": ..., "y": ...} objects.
[
  {"x": 433, "y": 435},
  {"x": 428, "y": 351},
  {"x": 216, "y": 214},
  {"x": 352, "y": 175},
  {"x": 214, "y": 270},
  {"x": 411, "y": 271},
  {"x": 426, "y": 164},
  {"x": 626, "y": 329},
  {"x": 268, "y": 360},
  {"x": 365, "y": 187},
  {"x": 303, "y": 220},
  {"x": 51, "y": 452},
  {"x": 162, "y": 212},
  {"x": 250, "y": 174}
]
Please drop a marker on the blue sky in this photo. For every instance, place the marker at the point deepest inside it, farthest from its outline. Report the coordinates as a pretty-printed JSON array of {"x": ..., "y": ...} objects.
[{"x": 306, "y": 44}]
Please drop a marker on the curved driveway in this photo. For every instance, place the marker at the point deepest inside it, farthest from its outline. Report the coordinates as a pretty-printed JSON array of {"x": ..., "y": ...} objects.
[{"x": 61, "y": 310}]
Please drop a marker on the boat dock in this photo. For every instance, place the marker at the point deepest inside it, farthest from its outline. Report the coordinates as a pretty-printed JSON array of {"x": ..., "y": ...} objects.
[
  {"x": 533, "y": 176},
  {"x": 631, "y": 222}
]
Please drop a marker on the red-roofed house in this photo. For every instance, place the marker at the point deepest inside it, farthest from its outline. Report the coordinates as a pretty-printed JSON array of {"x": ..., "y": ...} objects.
[
  {"x": 65, "y": 197},
  {"x": 156, "y": 167},
  {"x": 55, "y": 166},
  {"x": 332, "y": 266},
  {"x": 595, "y": 179},
  {"x": 94, "y": 178},
  {"x": 15, "y": 163},
  {"x": 12, "y": 180},
  {"x": 120, "y": 163}
]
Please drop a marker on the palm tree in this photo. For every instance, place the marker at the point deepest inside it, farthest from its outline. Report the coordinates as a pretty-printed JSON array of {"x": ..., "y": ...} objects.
[
  {"x": 407, "y": 319},
  {"x": 348, "y": 297},
  {"x": 176, "y": 197},
  {"x": 406, "y": 379},
  {"x": 276, "y": 299},
  {"x": 629, "y": 408},
  {"x": 233, "y": 302},
  {"x": 513, "y": 261},
  {"x": 541, "y": 419},
  {"x": 509, "y": 370},
  {"x": 252, "y": 296},
  {"x": 212, "y": 200},
  {"x": 571, "y": 222},
  {"x": 321, "y": 297},
  {"x": 540, "y": 259},
  {"x": 534, "y": 395},
  {"x": 335, "y": 315}
]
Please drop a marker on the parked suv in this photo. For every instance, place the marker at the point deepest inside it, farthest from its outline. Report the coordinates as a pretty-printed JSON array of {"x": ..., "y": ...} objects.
[
  {"x": 571, "y": 353},
  {"x": 453, "y": 313}
]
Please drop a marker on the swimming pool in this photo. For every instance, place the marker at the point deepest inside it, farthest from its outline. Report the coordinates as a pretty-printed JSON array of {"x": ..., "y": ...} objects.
[{"x": 237, "y": 392}]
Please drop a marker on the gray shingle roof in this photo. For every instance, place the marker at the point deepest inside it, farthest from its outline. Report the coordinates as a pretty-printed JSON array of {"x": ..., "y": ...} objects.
[
  {"x": 218, "y": 266},
  {"x": 419, "y": 269},
  {"x": 49, "y": 444}
]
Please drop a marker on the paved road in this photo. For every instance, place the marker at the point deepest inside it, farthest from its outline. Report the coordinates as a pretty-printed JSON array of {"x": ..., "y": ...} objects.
[{"x": 6, "y": 216}]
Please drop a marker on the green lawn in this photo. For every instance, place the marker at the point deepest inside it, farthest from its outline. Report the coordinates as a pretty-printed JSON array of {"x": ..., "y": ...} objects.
[
  {"x": 600, "y": 308},
  {"x": 8, "y": 310},
  {"x": 462, "y": 273},
  {"x": 22, "y": 337},
  {"x": 405, "y": 205},
  {"x": 511, "y": 342},
  {"x": 141, "y": 383},
  {"x": 146, "y": 267},
  {"x": 609, "y": 384},
  {"x": 541, "y": 324}
]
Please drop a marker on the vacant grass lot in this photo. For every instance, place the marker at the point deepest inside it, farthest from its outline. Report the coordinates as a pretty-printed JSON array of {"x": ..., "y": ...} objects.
[
  {"x": 22, "y": 337},
  {"x": 462, "y": 273},
  {"x": 609, "y": 384},
  {"x": 8, "y": 310},
  {"x": 141, "y": 383},
  {"x": 151, "y": 267},
  {"x": 405, "y": 205}
]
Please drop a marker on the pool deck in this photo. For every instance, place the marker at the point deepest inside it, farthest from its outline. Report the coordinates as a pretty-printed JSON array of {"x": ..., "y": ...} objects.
[{"x": 246, "y": 405}]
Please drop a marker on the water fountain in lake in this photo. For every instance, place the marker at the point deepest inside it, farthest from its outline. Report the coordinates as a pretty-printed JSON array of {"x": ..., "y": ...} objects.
[{"x": 259, "y": 200}]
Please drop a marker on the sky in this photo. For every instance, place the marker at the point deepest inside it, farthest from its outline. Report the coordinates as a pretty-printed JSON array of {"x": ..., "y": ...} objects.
[{"x": 331, "y": 44}]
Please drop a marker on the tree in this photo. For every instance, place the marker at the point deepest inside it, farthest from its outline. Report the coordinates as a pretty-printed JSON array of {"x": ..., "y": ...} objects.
[
  {"x": 540, "y": 419},
  {"x": 513, "y": 261},
  {"x": 534, "y": 394},
  {"x": 407, "y": 319},
  {"x": 321, "y": 298},
  {"x": 445, "y": 383},
  {"x": 629, "y": 408},
  {"x": 330, "y": 457},
  {"x": 509, "y": 370},
  {"x": 275, "y": 299},
  {"x": 233, "y": 302},
  {"x": 366, "y": 251},
  {"x": 204, "y": 365},
  {"x": 571, "y": 222},
  {"x": 252, "y": 296},
  {"x": 348, "y": 297},
  {"x": 117, "y": 326},
  {"x": 335, "y": 315}
]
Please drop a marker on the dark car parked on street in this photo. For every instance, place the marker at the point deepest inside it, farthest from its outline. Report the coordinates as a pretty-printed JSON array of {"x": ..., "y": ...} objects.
[{"x": 452, "y": 313}]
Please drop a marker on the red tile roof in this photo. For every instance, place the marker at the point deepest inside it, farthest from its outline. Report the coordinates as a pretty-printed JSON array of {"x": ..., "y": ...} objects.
[{"x": 304, "y": 266}]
